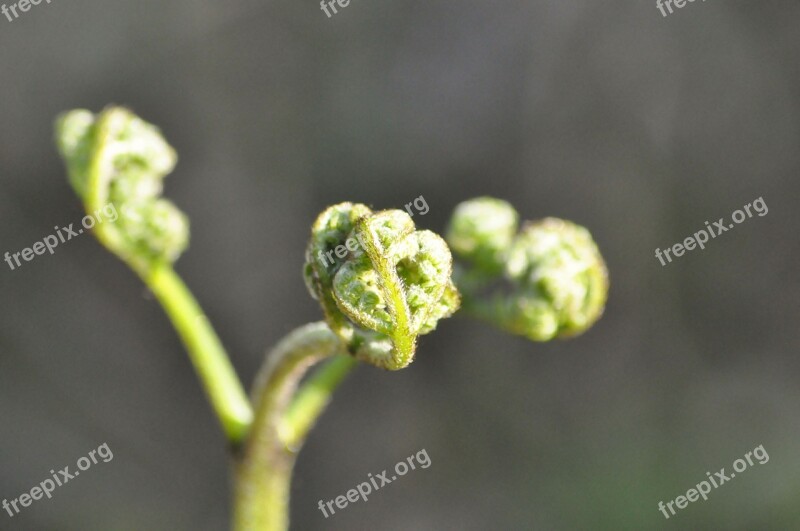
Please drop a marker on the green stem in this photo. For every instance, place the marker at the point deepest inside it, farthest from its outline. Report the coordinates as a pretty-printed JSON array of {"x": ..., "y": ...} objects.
[
  {"x": 312, "y": 398},
  {"x": 206, "y": 352},
  {"x": 263, "y": 474}
]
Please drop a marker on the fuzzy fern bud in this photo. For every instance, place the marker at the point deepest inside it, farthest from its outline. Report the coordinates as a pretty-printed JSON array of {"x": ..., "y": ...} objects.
[
  {"x": 481, "y": 231},
  {"x": 547, "y": 281},
  {"x": 381, "y": 282},
  {"x": 116, "y": 158}
]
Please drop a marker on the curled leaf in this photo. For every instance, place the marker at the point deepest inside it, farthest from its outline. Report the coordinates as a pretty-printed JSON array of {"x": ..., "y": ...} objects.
[
  {"x": 380, "y": 281},
  {"x": 116, "y": 158},
  {"x": 547, "y": 281}
]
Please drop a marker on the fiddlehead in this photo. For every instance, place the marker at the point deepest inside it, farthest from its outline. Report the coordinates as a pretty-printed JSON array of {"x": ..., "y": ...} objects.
[
  {"x": 381, "y": 282},
  {"x": 547, "y": 280},
  {"x": 115, "y": 158}
]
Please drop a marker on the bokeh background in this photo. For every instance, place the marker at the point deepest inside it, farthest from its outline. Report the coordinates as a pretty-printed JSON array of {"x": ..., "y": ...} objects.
[{"x": 637, "y": 126}]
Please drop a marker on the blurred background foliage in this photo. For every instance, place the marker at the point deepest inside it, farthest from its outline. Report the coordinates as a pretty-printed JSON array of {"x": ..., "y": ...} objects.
[{"x": 637, "y": 126}]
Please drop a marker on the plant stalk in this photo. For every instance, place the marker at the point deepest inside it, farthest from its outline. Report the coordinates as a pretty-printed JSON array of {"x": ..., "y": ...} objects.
[
  {"x": 264, "y": 471},
  {"x": 219, "y": 379}
]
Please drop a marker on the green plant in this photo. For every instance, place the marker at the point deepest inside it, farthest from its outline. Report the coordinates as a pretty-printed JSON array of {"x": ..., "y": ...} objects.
[{"x": 393, "y": 284}]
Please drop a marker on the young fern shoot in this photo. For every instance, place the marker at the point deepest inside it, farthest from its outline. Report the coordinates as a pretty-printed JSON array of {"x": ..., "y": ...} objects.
[
  {"x": 115, "y": 157},
  {"x": 390, "y": 288},
  {"x": 547, "y": 280},
  {"x": 393, "y": 284}
]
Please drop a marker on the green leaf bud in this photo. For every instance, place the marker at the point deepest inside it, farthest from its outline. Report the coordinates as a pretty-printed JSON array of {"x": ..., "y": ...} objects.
[
  {"x": 116, "y": 158},
  {"x": 561, "y": 277},
  {"x": 381, "y": 282},
  {"x": 481, "y": 231},
  {"x": 547, "y": 281}
]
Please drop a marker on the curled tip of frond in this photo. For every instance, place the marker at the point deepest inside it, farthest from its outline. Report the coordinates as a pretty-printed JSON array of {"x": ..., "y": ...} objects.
[
  {"x": 481, "y": 230},
  {"x": 380, "y": 281},
  {"x": 562, "y": 278},
  {"x": 116, "y": 158},
  {"x": 548, "y": 280}
]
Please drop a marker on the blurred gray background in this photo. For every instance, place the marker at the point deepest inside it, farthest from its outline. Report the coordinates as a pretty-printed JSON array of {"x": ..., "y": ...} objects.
[{"x": 637, "y": 126}]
